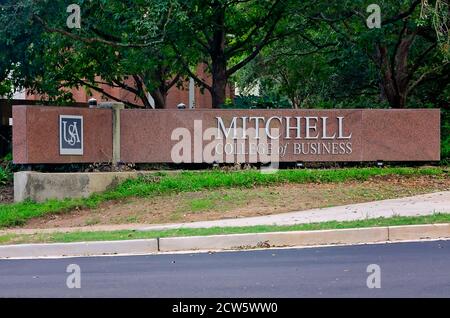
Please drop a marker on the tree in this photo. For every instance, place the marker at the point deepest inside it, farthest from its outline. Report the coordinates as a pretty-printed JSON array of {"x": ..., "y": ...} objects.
[
  {"x": 339, "y": 61},
  {"x": 225, "y": 35},
  {"x": 403, "y": 51},
  {"x": 295, "y": 67},
  {"x": 140, "y": 40},
  {"x": 438, "y": 12},
  {"x": 119, "y": 44}
]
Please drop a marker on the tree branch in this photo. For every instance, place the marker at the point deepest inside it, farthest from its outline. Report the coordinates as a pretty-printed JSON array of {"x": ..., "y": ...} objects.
[
  {"x": 403, "y": 14},
  {"x": 103, "y": 92},
  {"x": 97, "y": 40},
  {"x": 266, "y": 40},
  {"x": 188, "y": 70}
]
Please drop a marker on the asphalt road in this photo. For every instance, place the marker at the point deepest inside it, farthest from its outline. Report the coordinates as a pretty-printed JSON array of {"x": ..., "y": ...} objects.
[{"x": 407, "y": 270}]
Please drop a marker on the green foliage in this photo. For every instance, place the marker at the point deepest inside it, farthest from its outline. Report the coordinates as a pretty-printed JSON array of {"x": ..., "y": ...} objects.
[
  {"x": 6, "y": 174},
  {"x": 5, "y": 88},
  {"x": 161, "y": 184},
  {"x": 51, "y": 62},
  {"x": 312, "y": 54},
  {"x": 437, "y": 12},
  {"x": 256, "y": 102},
  {"x": 335, "y": 60},
  {"x": 148, "y": 43},
  {"x": 287, "y": 72}
]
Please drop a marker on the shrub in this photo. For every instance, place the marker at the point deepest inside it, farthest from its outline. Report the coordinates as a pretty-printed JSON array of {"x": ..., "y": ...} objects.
[
  {"x": 256, "y": 102},
  {"x": 6, "y": 173}
]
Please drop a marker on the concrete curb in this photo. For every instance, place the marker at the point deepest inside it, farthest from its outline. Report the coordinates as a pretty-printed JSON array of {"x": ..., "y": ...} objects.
[
  {"x": 79, "y": 249},
  {"x": 274, "y": 239},
  {"x": 231, "y": 242},
  {"x": 419, "y": 232}
]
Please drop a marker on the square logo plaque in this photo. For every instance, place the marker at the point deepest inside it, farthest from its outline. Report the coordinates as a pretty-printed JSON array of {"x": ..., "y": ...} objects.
[{"x": 70, "y": 135}]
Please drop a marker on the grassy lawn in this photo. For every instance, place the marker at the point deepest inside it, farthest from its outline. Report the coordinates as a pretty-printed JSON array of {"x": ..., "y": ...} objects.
[
  {"x": 133, "y": 235},
  {"x": 162, "y": 184},
  {"x": 226, "y": 203}
]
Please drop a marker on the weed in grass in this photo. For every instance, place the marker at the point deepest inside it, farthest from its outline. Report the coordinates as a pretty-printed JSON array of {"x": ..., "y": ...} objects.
[{"x": 92, "y": 221}]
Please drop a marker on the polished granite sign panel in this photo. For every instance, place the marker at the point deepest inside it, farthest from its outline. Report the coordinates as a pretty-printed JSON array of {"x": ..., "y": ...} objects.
[
  {"x": 37, "y": 133},
  {"x": 199, "y": 136},
  {"x": 289, "y": 135}
]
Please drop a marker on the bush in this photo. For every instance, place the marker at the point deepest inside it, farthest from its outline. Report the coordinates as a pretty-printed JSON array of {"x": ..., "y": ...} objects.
[
  {"x": 6, "y": 174},
  {"x": 256, "y": 102}
]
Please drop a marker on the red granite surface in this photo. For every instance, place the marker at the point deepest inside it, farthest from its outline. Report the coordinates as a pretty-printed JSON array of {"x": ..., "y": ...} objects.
[
  {"x": 36, "y": 135},
  {"x": 146, "y": 135}
]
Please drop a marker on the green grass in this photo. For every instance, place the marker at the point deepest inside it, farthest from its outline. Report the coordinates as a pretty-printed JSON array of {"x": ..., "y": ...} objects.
[
  {"x": 216, "y": 201},
  {"x": 197, "y": 205},
  {"x": 132, "y": 235},
  {"x": 162, "y": 184}
]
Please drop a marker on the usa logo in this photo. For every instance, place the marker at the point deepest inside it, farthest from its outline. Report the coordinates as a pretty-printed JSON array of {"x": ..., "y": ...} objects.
[{"x": 70, "y": 135}]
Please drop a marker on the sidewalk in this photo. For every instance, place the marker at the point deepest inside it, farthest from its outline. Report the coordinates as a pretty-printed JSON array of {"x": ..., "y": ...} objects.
[{"x": 426, "y": 204}]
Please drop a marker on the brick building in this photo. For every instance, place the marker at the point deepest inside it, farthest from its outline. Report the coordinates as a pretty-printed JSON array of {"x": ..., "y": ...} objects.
[{"x": 190, "y": 95}]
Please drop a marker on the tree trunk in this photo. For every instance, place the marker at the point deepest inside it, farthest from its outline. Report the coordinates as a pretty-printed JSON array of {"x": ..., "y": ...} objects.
[
  {"x": 219, "y": 61},
  {"x": 219, "y": 88},
  {"x": 402, "y": 75},
  {"x": 159, "y": 94},
  {"x": 160, "y": 98},
  {"x": 394, "y": 74},
  {"x": 386, "y": 76}
]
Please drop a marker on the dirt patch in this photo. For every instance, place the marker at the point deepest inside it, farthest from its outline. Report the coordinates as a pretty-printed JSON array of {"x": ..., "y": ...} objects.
[{"x": 238, "y": 203}]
